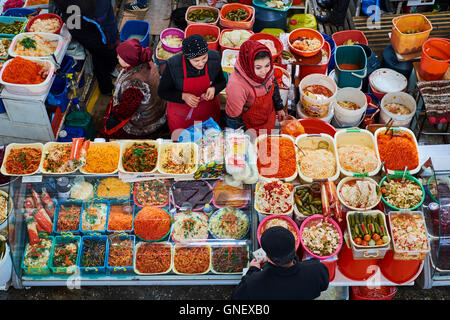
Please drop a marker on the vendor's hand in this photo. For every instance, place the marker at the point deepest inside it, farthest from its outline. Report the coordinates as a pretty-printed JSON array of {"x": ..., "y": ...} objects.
[
  {"x": 281, "y": 116},
  {"x": 209, "y": 95},
  {"x": 190, "y": 99},
  {"x": 256, "y": 263}
]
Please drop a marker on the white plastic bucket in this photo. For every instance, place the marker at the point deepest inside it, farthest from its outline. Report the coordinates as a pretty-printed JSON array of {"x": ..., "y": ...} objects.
[
  {"x": 345, "y": 117},
  {"x": 327, "y": 119},
  {"x": 402, "y": 98},
  {"x": 308, "y": 103},
  {"x": 5, "y": 267}
]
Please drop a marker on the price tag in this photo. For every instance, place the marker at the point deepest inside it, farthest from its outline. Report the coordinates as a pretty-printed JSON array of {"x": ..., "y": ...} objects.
[{"x": 32, "y": 179}]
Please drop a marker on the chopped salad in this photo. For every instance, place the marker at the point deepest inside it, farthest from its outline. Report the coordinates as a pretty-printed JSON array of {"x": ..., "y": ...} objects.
[
  {"x": 321, "y": 237},
  {"x": 403, "y": 195}
]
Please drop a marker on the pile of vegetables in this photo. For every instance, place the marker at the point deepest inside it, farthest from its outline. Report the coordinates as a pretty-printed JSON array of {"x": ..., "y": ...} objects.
[
  {"x": 235, "y": 38},
  {"x": 368, "y": 230},
  {"x": 237, "y": 15},
  {"x": 203, "y": 15}
]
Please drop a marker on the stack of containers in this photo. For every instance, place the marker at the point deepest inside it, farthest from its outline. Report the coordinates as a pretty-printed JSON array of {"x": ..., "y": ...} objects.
[{"x": 246, "y": 24}]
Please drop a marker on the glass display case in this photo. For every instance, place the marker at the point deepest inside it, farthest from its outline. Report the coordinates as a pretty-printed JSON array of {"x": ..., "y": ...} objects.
[
  {"x": 436, "y": 208},
  {"x": 77, "y": 230}
]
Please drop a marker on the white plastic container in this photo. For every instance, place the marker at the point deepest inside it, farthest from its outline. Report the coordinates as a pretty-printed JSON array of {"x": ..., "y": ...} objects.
[
  {"x": 161, "y": 153},
  {"x": 372, "y": 252},
  {"x": 327, "y": 119},
  {"x": 128, "y": 143},
  {"x": 29, "y": 89},
  {"x": 164, "y": 243},
  {"x": 345, "y": 117},
  {"x": 347, "y": 179},
  {"x": 319, "y": 104},
  {"x": 47, "y": 146},
  {"x": 5, "y": 267},
  {"x": 11, "y": 146},
  {"x": 8, "y": 212},
  {"x": 196, "y": 244},
  {"x": 388, "y": 80},
  {"x": 360, "y": 137},
  {"x": 401, "y": 98},
  {"x": 411, "y": 171},
  {"x": 262, "y": 214},
  {"x": 82, "y": 170},
  {"x": 46, "y": 36},
  {"x": 265, "y": 136},
  {"x": 302, "y": 140},
  {"x": 229, "y": 58}
]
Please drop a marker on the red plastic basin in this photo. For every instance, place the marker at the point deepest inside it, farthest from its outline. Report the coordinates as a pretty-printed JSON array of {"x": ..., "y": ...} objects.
[
  {"x": 358, "y": 270},
  {"x": 314, "y": 126},
  {"x": 399, "y": 271}
]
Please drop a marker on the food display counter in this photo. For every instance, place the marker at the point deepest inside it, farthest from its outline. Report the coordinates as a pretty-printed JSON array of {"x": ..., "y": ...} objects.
[{"x": 224, "y": 258}]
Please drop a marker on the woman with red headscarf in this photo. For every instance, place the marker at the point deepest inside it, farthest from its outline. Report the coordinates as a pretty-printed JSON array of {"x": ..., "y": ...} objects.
[
  {"x": 135, "y": 111},
  {"x": 253, "y": 95}
]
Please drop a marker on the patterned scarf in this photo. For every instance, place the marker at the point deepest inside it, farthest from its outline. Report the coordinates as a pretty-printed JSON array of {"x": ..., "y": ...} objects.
[{"x": 247, "y": 53}]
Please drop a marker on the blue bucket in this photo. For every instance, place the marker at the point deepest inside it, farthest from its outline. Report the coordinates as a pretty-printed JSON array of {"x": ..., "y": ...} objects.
[
  {"x": 67, "y": 65},
  {"x": 332, "y": 44},
  {"x": 60, "y": 91},
  {"x": 350, "y": 55},
  {"x": 136, "y": 27},
  {"x": 2, "y": 107},
  {"x": 266, "y": 18}
]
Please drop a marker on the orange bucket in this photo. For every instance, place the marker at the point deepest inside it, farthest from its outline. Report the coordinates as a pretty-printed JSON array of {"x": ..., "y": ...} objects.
[
  {"x": 435, "y": 58},
  {"x": 357, "y": 270},
  {"x": 244, "y": 24},
  {"x": 320, "y": 68},
  {"x": 204, "y": 29},
  {"x": 406, "y": 43},
  {"x": 399, "y": 271}
]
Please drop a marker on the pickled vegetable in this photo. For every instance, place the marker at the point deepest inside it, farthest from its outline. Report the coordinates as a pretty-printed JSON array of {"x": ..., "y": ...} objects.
[
  {"x": 11, "y": 28},
  {"x": 306, "y": 204},
  {"x": 203, "y": 15},
  {"x": 237, "y": 15}
]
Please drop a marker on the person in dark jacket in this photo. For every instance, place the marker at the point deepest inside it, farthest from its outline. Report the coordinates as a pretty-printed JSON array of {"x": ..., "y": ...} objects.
[
  {"x": 191, "y": 83},
  {"x": 284, "y": 277},
  {"x": 97, "y": 33}
]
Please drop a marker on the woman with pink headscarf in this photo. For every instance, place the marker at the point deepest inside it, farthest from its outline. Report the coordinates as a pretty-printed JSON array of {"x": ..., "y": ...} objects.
[{"x": 135, "y": 111}]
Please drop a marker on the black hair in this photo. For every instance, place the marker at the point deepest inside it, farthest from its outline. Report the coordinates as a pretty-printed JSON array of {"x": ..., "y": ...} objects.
[{"x": 262, "y": 55}]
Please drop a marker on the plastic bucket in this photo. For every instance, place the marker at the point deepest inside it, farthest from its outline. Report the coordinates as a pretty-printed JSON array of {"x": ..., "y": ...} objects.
[
  {"x": 357, "y": 270},
  {"x": 345, "y": 117},
  {"x": 402, "y": 98},
  {"x": 322, "y": 68},
  {"x": 245, "y": 24},
  {"x": 301, "y": 20},
  {"x": 266, "y": 18},
  {"x": 405, "y": 43},
  {"x": 5, "y": 267},
  {"x": 303, "y": 116},
  {"x": 435, "y": 59},
  {"x": 59, "y": 89},
  {"x": 321, "y": 107},
  {"x": 204, "y": 29},
  {"x": 354, "y": 35},
  {"x": 350, "y": 55},
  {"x": 136, "y": 27},
  {"x": 399, "y": 271},
  {"x": 377, "y": 293},
  {"x": 172, "y": 32},
  {"x": 331, "y": 266},
  {"x": 332, "y": 45},
  {"x": 192, "y": 8}
]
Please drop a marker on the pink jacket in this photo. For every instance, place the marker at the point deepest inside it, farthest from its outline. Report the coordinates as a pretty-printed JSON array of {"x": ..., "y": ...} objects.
[{"x": 240, "y": 93}]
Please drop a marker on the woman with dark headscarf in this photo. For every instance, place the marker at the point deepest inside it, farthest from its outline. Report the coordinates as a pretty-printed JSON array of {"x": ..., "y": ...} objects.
[
  {"x": 135, "y": 110},
  {"x": 253, "y": 95},
  {"x": 190, "y": 83}
]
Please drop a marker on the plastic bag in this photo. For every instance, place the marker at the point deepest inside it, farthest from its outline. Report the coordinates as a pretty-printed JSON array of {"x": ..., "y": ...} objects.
[
  {"x": 291, "y": 126},
  {"x": 196, "y": 132}
]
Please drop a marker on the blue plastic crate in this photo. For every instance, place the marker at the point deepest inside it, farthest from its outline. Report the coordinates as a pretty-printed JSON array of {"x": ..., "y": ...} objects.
[
  {"x": 39, "y": 271},
  {"x": 136, "y": 27},
  {"x": 66, "y": 270},
  {"x": 18, "y": 12},
  {"x": 94, "y": 269},
  {"x": 55, "y": 224},
  {"x": 114, "y": 203},
  {"x": 85, "y": 207},
  {"x": 11, "y": 20},
  {"x": 122, "y": 269}
]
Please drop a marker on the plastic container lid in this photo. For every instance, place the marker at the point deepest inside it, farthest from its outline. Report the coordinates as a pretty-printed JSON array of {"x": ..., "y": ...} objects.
[{"x": 388, "y": 80}]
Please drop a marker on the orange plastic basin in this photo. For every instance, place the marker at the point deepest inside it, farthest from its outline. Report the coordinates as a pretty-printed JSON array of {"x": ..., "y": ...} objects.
[
  {"x": 308, "y": 33},
  {"x": 358, "y": 270},
  {"x": 399, "y": 271}
]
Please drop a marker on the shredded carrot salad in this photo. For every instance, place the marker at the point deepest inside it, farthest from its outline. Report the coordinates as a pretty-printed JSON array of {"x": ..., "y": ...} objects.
[
  {"x": 118, "y": 219},
  {"x": 153, "y": 258},
  {"x": 23, "y": 71},
  {"x": 398, "y": 152},
  {"x": 23, "y": 160},
  {"x": 152, "y": 223},
  {"x": 102, "y": 158},
  {"x": 276, "y": 157},
  {"x": 192, "y": 260}
]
